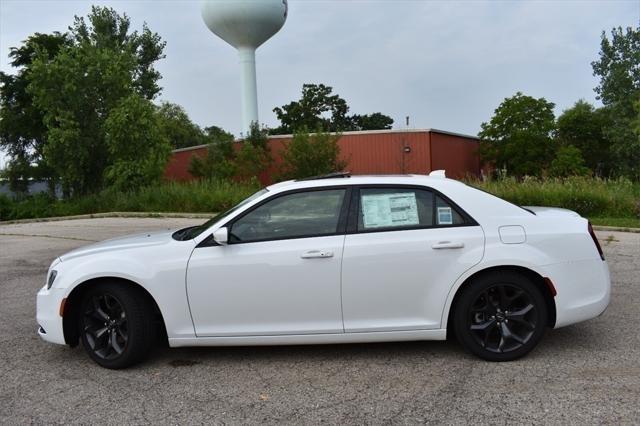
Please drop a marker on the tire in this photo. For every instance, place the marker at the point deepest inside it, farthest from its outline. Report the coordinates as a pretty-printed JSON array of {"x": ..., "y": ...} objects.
[
  {"x": 500, "y": 316},
  {"x": 116, "y": 324}
]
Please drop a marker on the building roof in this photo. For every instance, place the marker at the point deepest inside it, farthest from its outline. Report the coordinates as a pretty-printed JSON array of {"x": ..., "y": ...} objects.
[{"x": 356, "y": 132}]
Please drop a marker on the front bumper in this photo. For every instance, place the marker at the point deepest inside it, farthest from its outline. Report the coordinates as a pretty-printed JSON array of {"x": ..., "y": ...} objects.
[
  {"x": 584, "y": 290},
  {"x": 48, "y": 315}
]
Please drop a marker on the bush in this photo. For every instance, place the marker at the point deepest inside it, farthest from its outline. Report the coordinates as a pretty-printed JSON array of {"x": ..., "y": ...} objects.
[
  {"x": 206, "y": 196},
  {"x": 139, "y": 150},
  {"x": 568, "y": 162},
  {"x": 311, "y": 155}
]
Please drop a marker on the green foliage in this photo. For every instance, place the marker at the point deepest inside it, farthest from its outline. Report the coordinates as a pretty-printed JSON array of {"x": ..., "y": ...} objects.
[
  {"x": 319, "y": 108},
  {"x": 205, "y": 196},
  {"x": 375, "y": 121},
  {"x": 621, "y": 222},
  {"x": 568, "y": 162},
  {"x": 254, "y": 156},
  {"x": 23, "y": 133},
  {"x": 178, "y": 128},
  {"x": 618, "y": 68},
  {"x": 17, "y": 171},
  {"x": 591, "y": 197},
  {"x": 317, "y": 100},
  {"x": 519, "y": 135},
  {"x": 226, "y": 161},
  {"x": 613, "y": 202},
  {"x": 108, "y": 33},
  {"x": 312, "y": 155},
  {"x": 137, "y": 146},
  {"x": 584, "y": 127},
  {"x": 82, "y": 84},
  {"x": 215, "y": 133},
  {"x": 219, "y": 162}
]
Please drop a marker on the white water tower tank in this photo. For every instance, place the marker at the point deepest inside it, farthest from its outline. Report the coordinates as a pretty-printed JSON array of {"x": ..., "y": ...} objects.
[{"x": 245, "y": 25}]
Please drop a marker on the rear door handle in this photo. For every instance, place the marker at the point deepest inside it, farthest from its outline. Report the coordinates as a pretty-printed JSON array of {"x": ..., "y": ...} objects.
[
  {"x": 447, "y": 245},
  {"x": 314, "y": 254}
]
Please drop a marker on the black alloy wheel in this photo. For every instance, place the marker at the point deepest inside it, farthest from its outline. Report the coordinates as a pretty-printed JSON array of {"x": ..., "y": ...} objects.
[
  {"x": 105, "y": 326},
  {"x": 500, "y": 316},
  {"x": 117, "y": 324}
]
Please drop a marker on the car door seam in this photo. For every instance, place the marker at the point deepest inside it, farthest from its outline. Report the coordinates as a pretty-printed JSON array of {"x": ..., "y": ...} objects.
[
  {"x": 186, "y": 290},
  {"x": 344, "y": 239}
]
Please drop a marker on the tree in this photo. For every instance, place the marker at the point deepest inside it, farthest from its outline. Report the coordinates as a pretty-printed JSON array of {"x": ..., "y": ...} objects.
[
  {"x": 219, "y": 162},
  {"x": 178, "y": 127},
  {"x": 23, "y": 133},
  {"x": 137, "y": 147},
  {"x": 519, "y": 135},
  {"x": 618, "y": 68},
  {"x": 584, "y": 127},
  {"x": 568, "y": 162},
  {"x": 312, "y": 155},
  {"x": 254, "y": 156},
  {"x": 375, "y": 121},
  {"x": 225, "y": 160},
  {"x": 215, "y": 134},
  {"x": 104, "y": 64},
  {"x": 17, "y": 171},
  {"x": 310, "y": 111},
  {"x": 319, "y": 108}
]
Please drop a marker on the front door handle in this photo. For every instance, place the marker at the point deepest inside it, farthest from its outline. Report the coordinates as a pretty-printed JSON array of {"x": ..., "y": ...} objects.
[
  {"x": 314, "y": 254},
  {"x": 447, "y": 245}
]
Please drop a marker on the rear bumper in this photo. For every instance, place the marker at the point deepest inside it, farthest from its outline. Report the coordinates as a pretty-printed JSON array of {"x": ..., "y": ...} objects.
[
  {"x": 48, "y": 315},
  {"x": 584, "y": 290}
]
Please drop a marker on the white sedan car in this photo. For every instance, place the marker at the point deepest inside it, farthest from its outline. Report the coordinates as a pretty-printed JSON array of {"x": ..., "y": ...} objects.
[{"x": 334, "y": 259}]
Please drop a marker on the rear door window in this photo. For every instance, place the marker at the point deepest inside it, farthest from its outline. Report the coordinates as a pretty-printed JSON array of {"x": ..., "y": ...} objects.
[{"x": 404, "y": 208}]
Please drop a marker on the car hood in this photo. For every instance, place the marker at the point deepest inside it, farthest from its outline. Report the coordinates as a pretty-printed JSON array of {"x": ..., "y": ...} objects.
[
  {"x": 551, "y": 211},
  {"x": 143, "y": 240}
]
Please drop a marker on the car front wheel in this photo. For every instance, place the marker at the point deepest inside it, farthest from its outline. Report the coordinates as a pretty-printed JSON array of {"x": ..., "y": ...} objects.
[
  {"x": 500, "y": 316},
  {"x": 116, "y": 324}
]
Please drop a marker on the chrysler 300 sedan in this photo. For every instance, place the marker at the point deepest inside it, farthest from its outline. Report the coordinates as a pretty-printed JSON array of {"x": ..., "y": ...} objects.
[{"x": 334, "y": 259}]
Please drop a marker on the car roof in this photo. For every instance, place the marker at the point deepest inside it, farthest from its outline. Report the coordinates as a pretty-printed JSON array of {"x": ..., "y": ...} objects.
[
  {"x": 408, "y": 179},
  {"x": 479, "y": 204}
]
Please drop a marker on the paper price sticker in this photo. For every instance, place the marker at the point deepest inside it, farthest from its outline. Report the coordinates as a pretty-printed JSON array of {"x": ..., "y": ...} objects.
[{"x": 390, "y": 210}]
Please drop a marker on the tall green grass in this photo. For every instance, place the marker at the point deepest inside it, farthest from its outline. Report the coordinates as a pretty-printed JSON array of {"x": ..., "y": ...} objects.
[
  {"x": 192, "y": 197},
  {"x": 611, "y": 202},
  {"x": 591, "y": 197}
]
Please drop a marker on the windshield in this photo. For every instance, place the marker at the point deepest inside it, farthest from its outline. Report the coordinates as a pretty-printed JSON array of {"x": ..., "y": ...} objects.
[{"x": 194, "y": 231}]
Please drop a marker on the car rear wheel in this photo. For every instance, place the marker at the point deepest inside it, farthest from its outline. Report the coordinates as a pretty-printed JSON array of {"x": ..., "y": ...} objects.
[
  {"x": 116, "y": 325},
  {"x": 500, "y": 316}
]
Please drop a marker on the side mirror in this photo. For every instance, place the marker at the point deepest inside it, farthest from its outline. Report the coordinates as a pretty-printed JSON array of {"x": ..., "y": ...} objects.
[{"x": 221, "y": 236}]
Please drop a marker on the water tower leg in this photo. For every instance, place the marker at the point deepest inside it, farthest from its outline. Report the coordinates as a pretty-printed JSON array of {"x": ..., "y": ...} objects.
[{"x": 249, "y": 90}]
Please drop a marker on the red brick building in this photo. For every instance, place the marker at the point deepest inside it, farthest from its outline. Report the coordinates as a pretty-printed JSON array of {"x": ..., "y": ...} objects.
[{"x": 372, "y": 152}]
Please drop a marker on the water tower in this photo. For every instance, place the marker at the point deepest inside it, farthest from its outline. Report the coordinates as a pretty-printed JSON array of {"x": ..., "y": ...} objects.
[{"x": 245, "y": 25}]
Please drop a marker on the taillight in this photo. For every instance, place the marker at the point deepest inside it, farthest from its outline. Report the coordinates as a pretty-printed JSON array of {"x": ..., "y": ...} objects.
[{"x": 595, "y": 241}]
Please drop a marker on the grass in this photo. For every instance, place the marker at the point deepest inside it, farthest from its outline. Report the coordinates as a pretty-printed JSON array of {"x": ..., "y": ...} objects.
[
  {"x": 191, "y": 197},
  {"x": 619, "y": 222},
  {"x": 605, "y": 202}
]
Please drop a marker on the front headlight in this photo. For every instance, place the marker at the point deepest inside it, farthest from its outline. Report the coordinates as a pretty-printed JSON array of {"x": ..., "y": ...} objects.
[{"x": 52, "y": 277}]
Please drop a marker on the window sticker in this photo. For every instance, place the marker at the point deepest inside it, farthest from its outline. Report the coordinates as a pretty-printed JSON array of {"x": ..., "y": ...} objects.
[
  {"x": 445, "y": 216},
  {"x": 389, "y": 210}
]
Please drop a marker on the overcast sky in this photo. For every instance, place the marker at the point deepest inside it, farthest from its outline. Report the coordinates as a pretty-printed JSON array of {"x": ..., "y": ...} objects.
[{"x": 446, "y": 64}]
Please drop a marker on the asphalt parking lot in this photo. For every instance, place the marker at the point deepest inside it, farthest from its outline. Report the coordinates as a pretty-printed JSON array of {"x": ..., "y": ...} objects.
[{"x": 586, "y": 373}]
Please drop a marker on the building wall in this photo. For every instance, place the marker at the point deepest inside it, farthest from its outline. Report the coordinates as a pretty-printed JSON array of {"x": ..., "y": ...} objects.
[
  {"x": 371, "y": 152},
  {"x": 178, "y": 166},
  {"x": 457, "y": 155}
]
